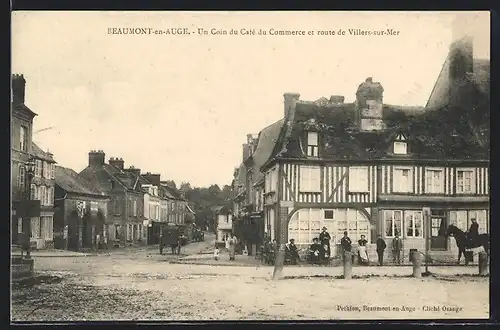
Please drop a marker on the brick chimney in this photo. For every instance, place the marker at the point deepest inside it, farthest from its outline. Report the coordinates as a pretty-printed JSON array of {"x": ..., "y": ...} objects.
[
  {"x": 461, "y": 58},
  {"x": 136, "y": 171},
  {"x": 369, "y": 106},
  {"x": 154, "y": 178},
  {"x": 96, "y": 158},
  {"x": 291, "y": 100},
  {"x": 246, "y": 151},
  {"x": 117, "y": 162},
  {"x": 18, "y": 88}
]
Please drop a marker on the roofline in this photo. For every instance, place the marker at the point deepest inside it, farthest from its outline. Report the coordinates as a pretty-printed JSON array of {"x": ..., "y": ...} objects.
[
  {"x": 23, "y": 107},
  {"x": 437, "y": 79},
  {"x": 111, "y": 175},
  {"x": 85, "y": 194},
  {"x": 388, "y": 160}
]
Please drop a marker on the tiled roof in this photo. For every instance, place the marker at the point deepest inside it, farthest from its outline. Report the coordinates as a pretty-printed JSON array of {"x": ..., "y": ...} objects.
[
  {"x": 70, "y": 181},
  {"x": 171, "y": 192},
  {"x": 21, "y": 107},
  {"x": 39, "y": 153},
  {"x": 100, "y": 177},
  {"x": 265, "y": 145},
  {"x": 431, "y": 134}
]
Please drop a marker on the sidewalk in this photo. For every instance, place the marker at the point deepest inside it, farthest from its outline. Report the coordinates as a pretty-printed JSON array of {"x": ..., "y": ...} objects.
[{"x": 53, "y": 253}]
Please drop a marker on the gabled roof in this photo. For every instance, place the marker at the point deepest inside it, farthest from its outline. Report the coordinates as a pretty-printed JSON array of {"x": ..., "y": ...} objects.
[
  {"x": 170, "y": 192},
  {"x": 40, "y": 154},
  {"x": 266, "y": 141},
  {"x": 100, "y": 177},
  {"x": 431, "y": 134},
  {"x": 71, "y": 182}
]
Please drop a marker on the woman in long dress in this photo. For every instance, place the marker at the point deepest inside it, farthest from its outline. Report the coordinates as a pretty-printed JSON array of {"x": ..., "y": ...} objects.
[
  {"x": 232, "y": 248},
  {"x": 362, "y": 254}
]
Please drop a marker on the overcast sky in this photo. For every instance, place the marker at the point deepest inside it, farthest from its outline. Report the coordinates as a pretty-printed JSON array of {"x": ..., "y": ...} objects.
[{"x": 182, "y": 105}]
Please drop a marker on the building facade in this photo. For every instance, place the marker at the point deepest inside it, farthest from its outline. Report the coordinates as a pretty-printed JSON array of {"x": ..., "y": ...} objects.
[
  {"x": 32, "y": 204},
  {"x": 369, "y": 168},
  {"x": 81, "y": 213},
  {"x": 224, "y": 224},
  {"x": 125, "y": 218}
]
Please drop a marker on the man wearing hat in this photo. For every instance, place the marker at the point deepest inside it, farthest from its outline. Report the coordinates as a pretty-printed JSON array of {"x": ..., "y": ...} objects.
[{"x": 325, "y": 238}]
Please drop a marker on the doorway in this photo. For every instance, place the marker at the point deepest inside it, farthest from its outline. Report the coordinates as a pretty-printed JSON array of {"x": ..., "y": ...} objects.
[{"x": 438, "y": 230}]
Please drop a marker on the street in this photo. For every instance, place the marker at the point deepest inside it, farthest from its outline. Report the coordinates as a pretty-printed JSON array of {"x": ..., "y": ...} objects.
[{"x": 142, "y": 285}]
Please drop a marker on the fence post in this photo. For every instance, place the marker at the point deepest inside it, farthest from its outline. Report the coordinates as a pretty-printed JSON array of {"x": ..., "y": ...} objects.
[
  {"x": 483, "y": 264},
  {"x": 347, "y": 265},
  {"x": 416, "y": 261}
]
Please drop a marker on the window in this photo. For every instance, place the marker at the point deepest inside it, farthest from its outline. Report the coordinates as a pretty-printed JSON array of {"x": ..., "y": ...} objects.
[
  {"x": 140, "y": 232},
  {"x": 35, "y": 227},
  {"x": 312, "y": 144},
  {"x": 413, "y": 223},
  {"x": 20, "y": 225},
  {"x": 116, "y": 206},
  {"x": 403, "y": 180},
  {"x": 358, "y": 179},
  {"x": 400, "y": 148},
  {"x": 33, "y": 192},
  {"x": 47, "y": 226},
  {"x": 392, "y": 221},
  {"x": 38, "y": 168},
  {"x": 134, "y": 208},
  {"x": 310, "y": 179},
  {"x": 463, "y": 219},
  {"x": 117, "y": 232},
  {"x": 434, "y": 181},
  {"x": 306, "y": 224},
  {"x": 23, "y": 138},
  {"x": 42, "y": 195},
  {"x": 52, "y": 171},
  {"x": 465, "y": 181},
  {"x": 50, "y": 196},
  {"x": 22, "y": 177}
]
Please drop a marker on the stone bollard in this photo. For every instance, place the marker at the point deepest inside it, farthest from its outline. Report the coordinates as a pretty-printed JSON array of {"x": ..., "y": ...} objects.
[
  {"x": 347, "y": 265},
  {"x": 279, "y": 261},
  {"x": 483, "y": 264},
  {"x": 416, "y": 260}
]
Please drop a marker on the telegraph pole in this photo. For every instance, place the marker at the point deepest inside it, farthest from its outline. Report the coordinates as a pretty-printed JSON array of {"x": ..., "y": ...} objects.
[{"x": 428, "y": 232}]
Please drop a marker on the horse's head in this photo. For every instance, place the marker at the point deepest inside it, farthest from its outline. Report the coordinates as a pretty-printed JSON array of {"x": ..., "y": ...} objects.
[{"x": 452, "y": 230}]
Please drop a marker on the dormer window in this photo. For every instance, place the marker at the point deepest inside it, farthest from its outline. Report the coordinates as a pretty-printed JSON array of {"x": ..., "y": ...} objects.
[
  {"x": 312, "y": 144},
  {"x": 400, "y": 145}
]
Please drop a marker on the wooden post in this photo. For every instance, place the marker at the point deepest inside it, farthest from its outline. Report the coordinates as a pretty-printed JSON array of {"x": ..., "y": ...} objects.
[
  {"x": 428, "y": 234},
  {"x": 483, "y": 264},
  {"x": 347, "y": 265},
  {"x": 416, "y": 262}
]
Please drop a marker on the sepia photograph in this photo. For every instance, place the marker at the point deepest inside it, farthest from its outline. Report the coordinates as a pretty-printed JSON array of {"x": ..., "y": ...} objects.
[{"x": 238, "y": 165}]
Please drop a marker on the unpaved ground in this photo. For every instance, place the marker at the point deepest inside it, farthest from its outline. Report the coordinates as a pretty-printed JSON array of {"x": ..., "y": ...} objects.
[{"x": 124, "y": 287}]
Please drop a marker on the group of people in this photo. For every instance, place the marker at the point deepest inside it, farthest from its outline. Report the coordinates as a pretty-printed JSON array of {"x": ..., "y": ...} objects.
[
  {"x": 346, "y": 244},
  {"x": 230, "y": 246}
]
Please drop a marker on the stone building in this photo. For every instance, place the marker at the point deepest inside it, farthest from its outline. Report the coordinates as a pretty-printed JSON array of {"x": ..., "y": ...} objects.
[
  {"x": 125, "y": 218},
  {"x": 81, "y": 212}
]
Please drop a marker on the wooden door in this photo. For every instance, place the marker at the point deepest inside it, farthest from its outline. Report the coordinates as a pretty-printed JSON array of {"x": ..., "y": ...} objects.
[{"x": 438, "y": 230}]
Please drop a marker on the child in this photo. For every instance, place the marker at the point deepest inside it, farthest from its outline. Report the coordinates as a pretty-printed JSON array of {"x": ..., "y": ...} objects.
[{"x": 216, "y": 253}]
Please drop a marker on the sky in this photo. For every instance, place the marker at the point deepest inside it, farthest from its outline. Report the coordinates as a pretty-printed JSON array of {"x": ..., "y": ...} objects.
[{"x": 181, "y": 105}]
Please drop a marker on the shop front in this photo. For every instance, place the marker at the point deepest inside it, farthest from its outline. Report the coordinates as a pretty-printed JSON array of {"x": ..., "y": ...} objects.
[{"x": 306, "y": 224}]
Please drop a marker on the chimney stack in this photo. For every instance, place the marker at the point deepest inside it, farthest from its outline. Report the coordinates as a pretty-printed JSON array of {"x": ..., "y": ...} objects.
[
  {"x": 246, "y": 151},
  {"x": 369, "y": 106},
  {"x": 461, "y": 58},
  {"x": 96, "y": 158},
  {"x": 136, "y": 171},
  {"x": 18, "y": 88},
  {"x": 119, "y": 163},
  {"x": 154, "y": 178},
  {"x": 291, "y": 100}
]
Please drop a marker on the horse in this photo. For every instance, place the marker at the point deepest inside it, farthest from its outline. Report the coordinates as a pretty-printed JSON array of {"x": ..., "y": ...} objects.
[{"x": 463, "y": 243}]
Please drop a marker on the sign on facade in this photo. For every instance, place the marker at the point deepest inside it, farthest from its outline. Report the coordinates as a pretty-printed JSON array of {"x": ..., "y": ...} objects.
[{"x": 80, "y": 208}]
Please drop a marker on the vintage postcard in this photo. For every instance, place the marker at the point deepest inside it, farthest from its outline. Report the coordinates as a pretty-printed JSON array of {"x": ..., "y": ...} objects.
[{"x": 308, "y": 165}]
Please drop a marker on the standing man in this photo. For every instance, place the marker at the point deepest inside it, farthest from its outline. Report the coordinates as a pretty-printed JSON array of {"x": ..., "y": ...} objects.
[
  {"x": 397, "y": 246},
  {"x": 473, "y": 233},
  {"x": 380, "y": 249},
  {"x": 346, "y": 244},
  {"x": 325, "y": 238}
]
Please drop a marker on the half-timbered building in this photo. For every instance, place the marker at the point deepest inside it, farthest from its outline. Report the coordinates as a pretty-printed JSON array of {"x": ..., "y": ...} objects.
[{"x": 370, "y": 168}]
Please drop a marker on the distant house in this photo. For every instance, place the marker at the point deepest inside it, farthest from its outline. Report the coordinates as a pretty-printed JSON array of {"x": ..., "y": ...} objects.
[
  {"x": 81, "y": 212},
  {"x": 249, "y": 184},
  {"x": 125, "y": 220},
  {"x": 224, "y": 223}
]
